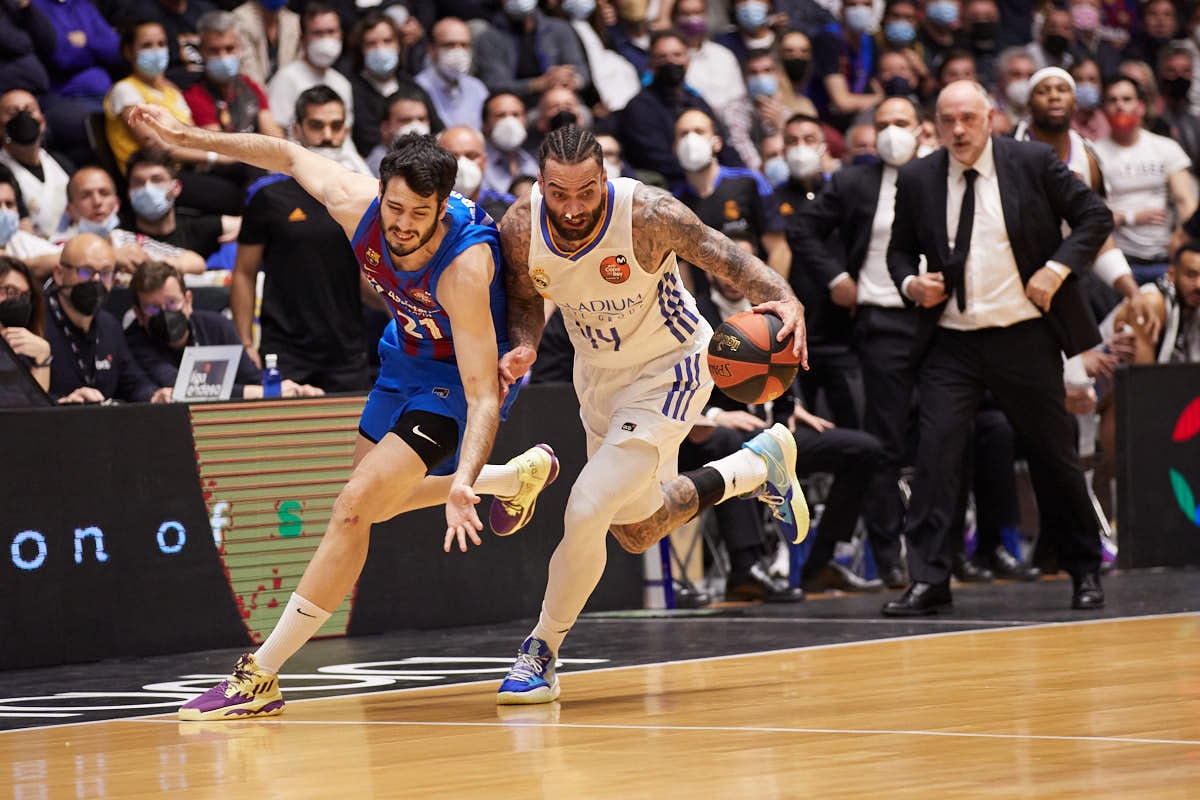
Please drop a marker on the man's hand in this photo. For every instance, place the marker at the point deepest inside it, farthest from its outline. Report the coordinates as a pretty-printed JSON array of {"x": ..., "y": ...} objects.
[
  {"x": 738, "y": 420},
  {"x": 927, "y": 290},
  {"x": 130, "y": 257},
  {"x": 77, "y": 39},
  {"x": 84, "y": 394},
  {"x": 1042, "y": 287},
  {"x": 292, "y": 389},
  {"x": 792, "y": 314},
  {"x": 844, "y": 293},
  {"x": 163, "y": 395},
  {"x": 462, "y": 521},
  {"x": 1144, "y": 316},
  {"x": 1081, "y": 399},
  {"x": 1098, "y": 364},
  {"x": 802, "y": 416},
  {"x": 513, "y": 366},
  {"x": 159, "y": 121},
  {"x": 1150, "y": 216}
]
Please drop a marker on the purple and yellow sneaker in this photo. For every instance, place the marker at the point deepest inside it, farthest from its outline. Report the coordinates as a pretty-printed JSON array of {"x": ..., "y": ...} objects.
[
  {"x": 249, "y": 692},
  {"x": 532, "y": 679},
  {"x": 781, "y": 491},
  {"x": 537, "y": 468}
]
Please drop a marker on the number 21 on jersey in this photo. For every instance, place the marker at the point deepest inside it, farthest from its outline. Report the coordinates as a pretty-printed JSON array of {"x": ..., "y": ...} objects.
[{"x": 428, "y": 323}]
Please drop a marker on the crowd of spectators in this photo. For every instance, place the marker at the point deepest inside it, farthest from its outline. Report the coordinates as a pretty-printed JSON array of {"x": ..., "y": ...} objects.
[{"x": 745, "y": 109}]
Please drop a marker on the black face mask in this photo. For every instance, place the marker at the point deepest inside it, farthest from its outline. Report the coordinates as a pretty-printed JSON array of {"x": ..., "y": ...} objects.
[
  {"x": 897, "y": 87},
  {"x": 87, "y": 297},
  {"x": 23, "y": 128},
  {"x": 167, "y": 326},
  {"x": 670, "y": 76},
  {"x": 796, "y": 70},
  {"x": 983, "y": 34},
  {"x": 15, "y": 313},
  {"x": 562, "y": 119},
  {"x": 865, "y": 158},
  {"x": 1056, "y": 45},
  {"x": 1176, "y": 88}
]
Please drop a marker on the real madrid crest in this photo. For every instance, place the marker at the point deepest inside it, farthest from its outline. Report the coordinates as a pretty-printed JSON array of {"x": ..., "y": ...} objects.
[{"x": 541, "y": 280}]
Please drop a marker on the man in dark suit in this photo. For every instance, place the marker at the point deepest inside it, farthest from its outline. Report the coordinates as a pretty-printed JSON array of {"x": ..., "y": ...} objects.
[
  {"x": 998, "y": 306},
  {"x": 857, "y": 204}
]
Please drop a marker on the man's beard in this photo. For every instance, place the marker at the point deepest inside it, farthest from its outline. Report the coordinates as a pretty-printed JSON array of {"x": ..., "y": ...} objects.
[
  {"x": 422, "y": 240},
  {"x": 1047, "y": 125}
]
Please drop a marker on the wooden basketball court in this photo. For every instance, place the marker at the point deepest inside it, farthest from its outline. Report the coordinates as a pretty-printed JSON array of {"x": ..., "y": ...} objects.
[{"x": 1107, "y": 708}]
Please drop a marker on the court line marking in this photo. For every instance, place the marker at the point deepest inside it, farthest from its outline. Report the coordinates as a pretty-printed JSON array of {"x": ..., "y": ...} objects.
[
  {"x": 829, "y": 646},
  {"x": 698, "y": 728}
]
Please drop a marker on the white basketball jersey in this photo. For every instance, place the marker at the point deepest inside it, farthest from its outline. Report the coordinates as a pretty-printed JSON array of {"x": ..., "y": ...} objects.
[
  {"x": 616, "y": 313},
  {"x": 1077, "y": 161}
]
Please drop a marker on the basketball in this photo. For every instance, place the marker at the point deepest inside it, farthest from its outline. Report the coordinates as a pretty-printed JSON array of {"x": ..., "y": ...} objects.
[{"x": 747, "y": 362}]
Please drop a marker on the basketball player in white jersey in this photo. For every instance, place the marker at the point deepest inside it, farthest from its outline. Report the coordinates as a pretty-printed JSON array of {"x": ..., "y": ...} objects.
[
  {"x": 605, "y": 253},
  {"x": 1052, "y": 105}
]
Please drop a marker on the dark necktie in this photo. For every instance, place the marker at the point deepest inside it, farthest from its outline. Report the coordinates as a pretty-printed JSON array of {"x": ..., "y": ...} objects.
[{"x": 956, "y": 269}]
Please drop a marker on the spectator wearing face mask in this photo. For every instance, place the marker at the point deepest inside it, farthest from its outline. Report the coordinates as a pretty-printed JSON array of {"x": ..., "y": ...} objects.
[
  {"x": 752, "y": 31},
  {"x": 226, "y": 99},
  {"x": 43, "y": 180},
  {"x": 981, "y": 28},
  {"x": 179, "y": 19},
  {"x": 525, "y": 52},
  {"x": 153, "y": 191},
  {"x": 407, "y": 110},
  {"x": 467, "y": 146},
  {"x": 38, "y": 254},
  {"x": 795, "y": 61},
  {"x": 22, "y": 319},
  {"x": 312, "y": 311},
  {"x": 1056, "y": 44},
  {"x": 1175, "y": 83},
  {"x": 270, "y": 37},
  {"x": 1089, "y": 120},
  {"x": 377, "y": 73},
  {"x": 1088, "y": 43},
  {"x": 844, "y": 58},
  {"x": 621, "y": 78},
  {"x": 166, "y": 323},
  {"x": 505, "y": 132},
  {"x": 940, "y": 32},
  {"x": 91, "y": 362},
  {"x": 1015, "y": 67},
  {"x": 457, "y": 96},
  {"x": 558, "y": 106},
  {"x": 858, "y": 207},
  {"x": 733, "y": 200},
  {"x": 321, "y": 33}
]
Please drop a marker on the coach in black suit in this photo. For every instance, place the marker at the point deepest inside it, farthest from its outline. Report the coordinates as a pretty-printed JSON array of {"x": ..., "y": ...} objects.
[
  {"x": 999, "y": 304},
  {"x": 857, "y": 205}
]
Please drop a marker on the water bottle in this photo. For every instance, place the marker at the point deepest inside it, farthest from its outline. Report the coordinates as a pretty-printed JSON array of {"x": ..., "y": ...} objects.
[{"x": 272, "y": 380}]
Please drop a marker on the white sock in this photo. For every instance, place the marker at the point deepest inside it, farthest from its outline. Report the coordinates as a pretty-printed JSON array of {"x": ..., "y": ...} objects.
[
  {"x": 743, "y": 471},
  {"x": 299, "y": 623},
  {"x": 551, "y": 631},
  {"x": 498, "y": 480}
]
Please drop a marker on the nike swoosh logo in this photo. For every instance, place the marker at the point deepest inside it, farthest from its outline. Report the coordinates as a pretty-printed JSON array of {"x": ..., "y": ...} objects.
[
  {"x": 417, "y": 431},
  {"x": 302, "y": 611}
]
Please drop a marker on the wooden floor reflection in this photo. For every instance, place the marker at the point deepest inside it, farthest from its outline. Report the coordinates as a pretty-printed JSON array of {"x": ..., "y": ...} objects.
[{"x": 1106, "y": 709}]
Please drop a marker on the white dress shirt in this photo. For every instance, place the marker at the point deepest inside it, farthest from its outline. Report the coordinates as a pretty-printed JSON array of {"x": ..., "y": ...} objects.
[
  {"x": 995, "y": 293},
  {"x": 875, "y": 286}
]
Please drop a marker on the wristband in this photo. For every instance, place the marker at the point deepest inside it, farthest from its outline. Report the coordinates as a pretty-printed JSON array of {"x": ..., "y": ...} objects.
[
  {"x": 713, "y": 413},
  {"x": 1111, "y": 265},
  {"x": 210, "y": 157},
  {"x": 47, "y": 362}
]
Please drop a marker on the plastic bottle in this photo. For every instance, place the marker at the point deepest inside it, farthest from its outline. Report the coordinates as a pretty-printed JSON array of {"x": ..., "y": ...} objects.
[{"x": 272, "y": 380}]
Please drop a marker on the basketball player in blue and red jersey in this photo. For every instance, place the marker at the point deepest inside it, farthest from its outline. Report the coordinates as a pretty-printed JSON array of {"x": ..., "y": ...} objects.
[
  {"x": 606, "y": 253},
  {"x": 430, "y": 422}
]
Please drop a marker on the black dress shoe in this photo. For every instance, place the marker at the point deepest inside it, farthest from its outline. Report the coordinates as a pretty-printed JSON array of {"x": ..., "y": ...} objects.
[
  {"x": 756, "y": 583},
  {"x": 1087, "y": 595},
  {"x": 835, "y": 576},
  {"x": 1004, "y": 565},
  {"x": 688, "y": 596},
  {"x": 920, "y": 599},
  {"x": 893, "y": 577},
  {"x": 967, "y": 570}
]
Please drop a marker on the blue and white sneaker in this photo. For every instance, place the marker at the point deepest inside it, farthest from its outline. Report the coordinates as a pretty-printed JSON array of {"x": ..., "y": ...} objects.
[
  {"x": 531, "y": 679},
  {"x": 781, "y": 491}
]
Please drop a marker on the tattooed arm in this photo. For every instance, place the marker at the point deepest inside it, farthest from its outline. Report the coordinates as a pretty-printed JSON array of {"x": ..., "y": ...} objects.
[
  {"x": 663, "y": 224},
  {"x": 526, "y": 309}
]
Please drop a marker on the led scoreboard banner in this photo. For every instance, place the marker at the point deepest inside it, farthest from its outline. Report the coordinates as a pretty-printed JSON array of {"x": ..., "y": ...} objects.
[{"x": 269, "y": 473}]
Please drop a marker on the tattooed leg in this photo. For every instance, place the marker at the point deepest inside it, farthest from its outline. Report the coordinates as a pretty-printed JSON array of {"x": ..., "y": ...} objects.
[{"x": 681, "y": 502}]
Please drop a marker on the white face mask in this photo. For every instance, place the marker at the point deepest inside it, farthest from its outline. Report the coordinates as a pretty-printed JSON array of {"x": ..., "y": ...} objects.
[
  {"x": 803, "y": 161},
  {"x": 695, "y": 152},
  {"x": 1017, "y": 92},
  {"x": 454, "y": 63},
  {"x": 896, "y": 146},
  {"x": 416, "y": 126},
  {"x": 324, "y": 51},
  {"x": 469, "y": 177},
  {"x": 509, "y": 134},
  {"x": 101, "y": 228}
]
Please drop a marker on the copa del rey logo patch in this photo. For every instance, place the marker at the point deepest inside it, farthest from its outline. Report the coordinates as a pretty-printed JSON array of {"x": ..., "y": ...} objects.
[{"x": 615, "y": 269}]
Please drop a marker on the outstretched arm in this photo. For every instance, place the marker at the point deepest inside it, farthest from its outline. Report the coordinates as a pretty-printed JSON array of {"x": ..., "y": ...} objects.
[
  {"x": 666, "y": 224},
  {"x": 344, "y": 193},
  {"x": 463, "y": 291},
  {"x": 526, "y": 309}
]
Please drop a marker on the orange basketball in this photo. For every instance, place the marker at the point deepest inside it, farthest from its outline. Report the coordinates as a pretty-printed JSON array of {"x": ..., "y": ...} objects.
[{"x": 746, "y": 360}]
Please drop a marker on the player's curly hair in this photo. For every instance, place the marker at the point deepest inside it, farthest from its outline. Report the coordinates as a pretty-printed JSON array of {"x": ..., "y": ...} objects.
[
  {"x": 426, "y": 167},
  {"x": 570, "y": 144}
]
